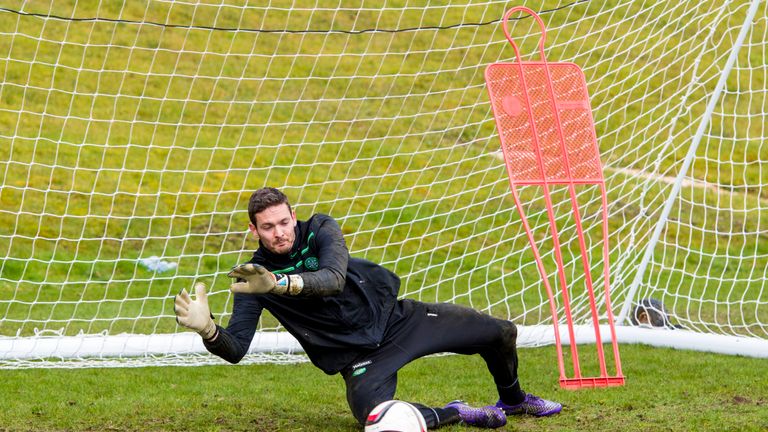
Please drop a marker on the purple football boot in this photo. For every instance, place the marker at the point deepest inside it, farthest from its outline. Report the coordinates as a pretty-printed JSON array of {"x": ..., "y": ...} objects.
[
  {"x": 490, "y": 417},
  {"x": 532, "y": 405}
]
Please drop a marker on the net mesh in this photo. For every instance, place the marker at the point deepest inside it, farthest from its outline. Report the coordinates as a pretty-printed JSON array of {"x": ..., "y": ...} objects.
[{"x": 139, "y": 130}]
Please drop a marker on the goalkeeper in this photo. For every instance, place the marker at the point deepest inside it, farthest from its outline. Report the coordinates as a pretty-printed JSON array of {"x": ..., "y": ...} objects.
[{"x": 345, "y": 313}]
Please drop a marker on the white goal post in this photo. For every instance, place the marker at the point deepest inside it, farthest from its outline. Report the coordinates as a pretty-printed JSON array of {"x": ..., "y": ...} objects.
[{"x": 133, "y": 135}]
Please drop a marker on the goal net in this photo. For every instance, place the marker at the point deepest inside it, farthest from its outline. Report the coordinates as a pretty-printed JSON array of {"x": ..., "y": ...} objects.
[{"x": 133, "y": 134}]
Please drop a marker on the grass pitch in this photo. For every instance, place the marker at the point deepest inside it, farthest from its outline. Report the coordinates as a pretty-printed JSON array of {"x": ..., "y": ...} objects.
[{"x": 667, "y": 390}]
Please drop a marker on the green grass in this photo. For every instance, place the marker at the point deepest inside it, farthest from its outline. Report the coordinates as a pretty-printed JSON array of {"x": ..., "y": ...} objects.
[{"x": 665, "y": 390}]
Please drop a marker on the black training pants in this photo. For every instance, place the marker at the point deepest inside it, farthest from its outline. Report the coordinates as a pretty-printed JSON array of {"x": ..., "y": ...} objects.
[{"x": 428, "y": 328}]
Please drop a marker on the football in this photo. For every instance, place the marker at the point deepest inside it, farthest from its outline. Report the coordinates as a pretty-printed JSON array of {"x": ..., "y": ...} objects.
[{"x": 395, "y": 416}]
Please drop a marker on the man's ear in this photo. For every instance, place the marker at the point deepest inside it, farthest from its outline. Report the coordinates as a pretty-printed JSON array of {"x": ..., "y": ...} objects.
[{"x": 252, "y": 229}]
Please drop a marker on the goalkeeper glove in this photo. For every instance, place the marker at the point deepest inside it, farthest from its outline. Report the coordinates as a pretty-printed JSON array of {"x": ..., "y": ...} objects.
[
  {"x": 259, "y": 280},
  {"x": 195, "y": 314}
]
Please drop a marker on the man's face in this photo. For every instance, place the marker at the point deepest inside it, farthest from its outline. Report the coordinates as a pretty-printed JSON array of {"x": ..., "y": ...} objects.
[{"x": 275, "y": 228}]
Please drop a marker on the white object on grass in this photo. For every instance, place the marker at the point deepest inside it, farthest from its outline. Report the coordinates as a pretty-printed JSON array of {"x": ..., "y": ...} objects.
[{"x": 156, "y": 264}]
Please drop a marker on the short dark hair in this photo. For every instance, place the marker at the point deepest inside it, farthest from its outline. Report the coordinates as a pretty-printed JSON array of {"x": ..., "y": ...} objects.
[{"x": 264, "y": 198}]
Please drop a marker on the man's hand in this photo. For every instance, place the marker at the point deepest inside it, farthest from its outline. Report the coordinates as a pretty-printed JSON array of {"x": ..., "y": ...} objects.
[
  {"x": 195, "y": 314},
  {"x": 259, "y": 280}
]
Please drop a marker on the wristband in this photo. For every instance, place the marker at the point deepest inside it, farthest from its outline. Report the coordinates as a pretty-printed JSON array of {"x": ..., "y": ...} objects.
[{"x": 289, "y": 284}]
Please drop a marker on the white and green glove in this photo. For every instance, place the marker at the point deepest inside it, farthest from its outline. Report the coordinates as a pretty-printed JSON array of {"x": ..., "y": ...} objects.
[
  {"x": 259, "y": 280},
  {"x": 195, "y": 314}
]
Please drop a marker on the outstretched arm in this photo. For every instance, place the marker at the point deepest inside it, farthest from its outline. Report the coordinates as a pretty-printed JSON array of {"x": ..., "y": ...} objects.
[{"x": 231, "y": 343}]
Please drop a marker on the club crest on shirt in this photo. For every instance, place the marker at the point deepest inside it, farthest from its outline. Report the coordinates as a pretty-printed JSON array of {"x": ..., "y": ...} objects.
[{"x": 312, "y": 263}]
